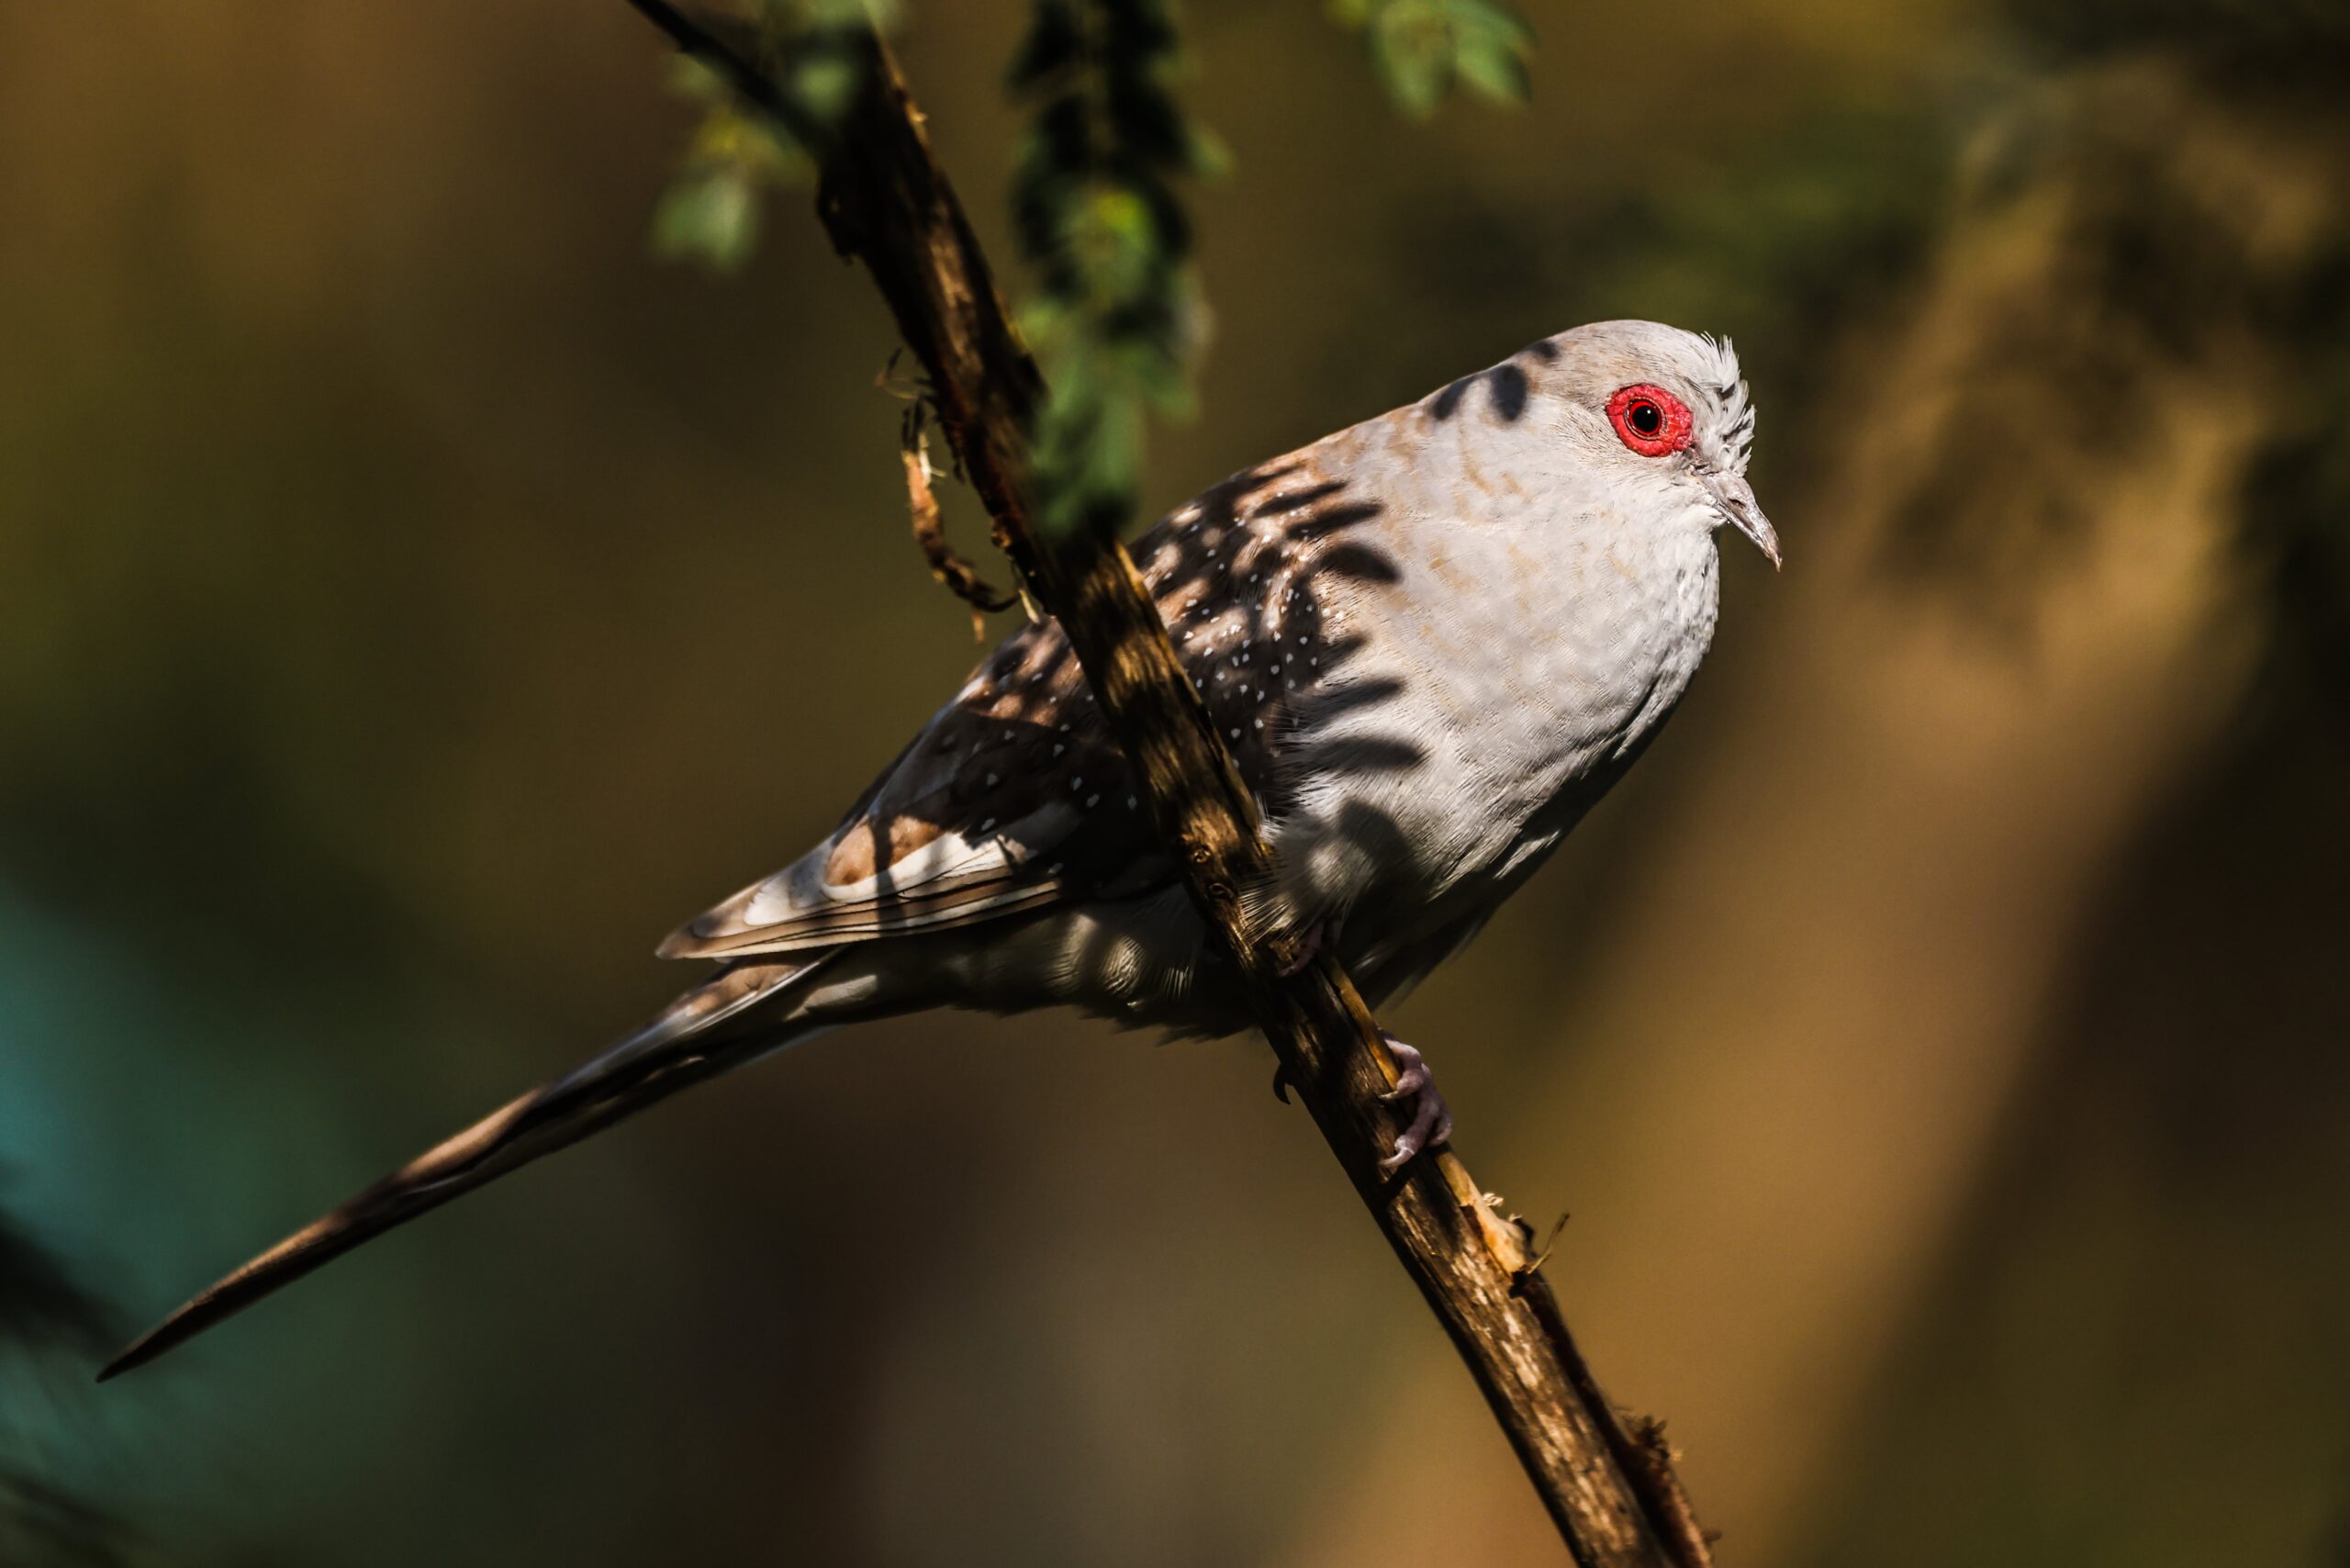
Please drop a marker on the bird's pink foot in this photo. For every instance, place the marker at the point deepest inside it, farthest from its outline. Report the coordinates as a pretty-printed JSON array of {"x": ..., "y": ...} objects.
[
  {"x": 1431, "y": 1120},
  {"x": 1308, "y": 947}
]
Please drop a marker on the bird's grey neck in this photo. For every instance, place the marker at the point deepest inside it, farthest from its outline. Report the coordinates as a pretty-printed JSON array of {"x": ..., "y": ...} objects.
[{"x": 1694, "y": 595}]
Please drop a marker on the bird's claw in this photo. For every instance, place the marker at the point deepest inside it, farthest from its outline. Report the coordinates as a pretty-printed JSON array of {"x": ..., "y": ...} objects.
[{"x": 1431, "y": 1120}]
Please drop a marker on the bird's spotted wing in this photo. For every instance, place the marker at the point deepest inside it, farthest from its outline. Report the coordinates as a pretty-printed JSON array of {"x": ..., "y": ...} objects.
[{"x": 1014, "y": 796}]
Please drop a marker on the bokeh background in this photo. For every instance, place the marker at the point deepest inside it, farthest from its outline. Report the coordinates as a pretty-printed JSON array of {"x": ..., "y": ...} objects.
[{"x": 414, "y": 599}]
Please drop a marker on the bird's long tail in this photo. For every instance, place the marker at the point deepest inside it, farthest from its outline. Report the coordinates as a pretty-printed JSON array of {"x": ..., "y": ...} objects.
[{"x": 715, "y": 1027}]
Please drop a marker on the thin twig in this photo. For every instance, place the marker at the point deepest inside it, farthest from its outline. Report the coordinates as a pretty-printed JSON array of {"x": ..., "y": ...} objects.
[
  {"x": 886, "y": 202},
  {"x": 700, "y": 39},
  {"x": 948, "y": 564}
]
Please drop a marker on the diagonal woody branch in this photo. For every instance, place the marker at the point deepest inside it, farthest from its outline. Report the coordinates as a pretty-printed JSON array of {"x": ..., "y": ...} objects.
[{"x": 887, "y": 202}]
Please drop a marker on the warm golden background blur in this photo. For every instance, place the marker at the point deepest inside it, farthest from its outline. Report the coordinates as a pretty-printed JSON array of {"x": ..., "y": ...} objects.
[{"x": 414, "y": 599}]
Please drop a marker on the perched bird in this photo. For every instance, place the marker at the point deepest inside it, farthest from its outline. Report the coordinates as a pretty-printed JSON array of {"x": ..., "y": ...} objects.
[{"x": 1432, "y": 641}]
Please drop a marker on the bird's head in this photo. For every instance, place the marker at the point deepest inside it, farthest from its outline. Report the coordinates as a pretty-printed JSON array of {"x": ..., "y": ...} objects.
[{"x": 1650, "y": 406}]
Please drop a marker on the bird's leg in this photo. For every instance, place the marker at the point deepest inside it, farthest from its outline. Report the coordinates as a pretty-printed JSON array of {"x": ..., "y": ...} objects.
[{"x": 1431, "y": 1120}]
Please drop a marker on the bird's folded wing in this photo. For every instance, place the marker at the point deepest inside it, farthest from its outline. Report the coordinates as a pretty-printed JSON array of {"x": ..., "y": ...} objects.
[
  {"x": 1014, "y": 796},
  {"x": 1011, "y": 798}
]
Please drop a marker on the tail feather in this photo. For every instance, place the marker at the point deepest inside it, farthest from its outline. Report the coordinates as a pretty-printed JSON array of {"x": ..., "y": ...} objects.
[{"x": 682, "y": 1047}]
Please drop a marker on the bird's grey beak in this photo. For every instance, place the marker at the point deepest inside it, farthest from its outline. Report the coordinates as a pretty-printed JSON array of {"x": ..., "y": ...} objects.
[{"x": 1735, "y": 498}]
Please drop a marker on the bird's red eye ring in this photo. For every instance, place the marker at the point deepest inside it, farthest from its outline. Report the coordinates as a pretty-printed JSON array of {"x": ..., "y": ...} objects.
[{"x": 1652, "y": 421}]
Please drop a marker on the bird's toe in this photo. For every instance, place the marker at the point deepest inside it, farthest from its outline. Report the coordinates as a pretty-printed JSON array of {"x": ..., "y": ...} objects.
[
  {"x": 1411, "y": 1069},
  {"x": 1431, "y": 1122},
  {"x": 1306, "y": 948}
]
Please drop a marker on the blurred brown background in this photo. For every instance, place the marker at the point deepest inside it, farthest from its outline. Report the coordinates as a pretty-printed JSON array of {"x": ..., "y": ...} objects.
[{"x": 414, "y": 599}]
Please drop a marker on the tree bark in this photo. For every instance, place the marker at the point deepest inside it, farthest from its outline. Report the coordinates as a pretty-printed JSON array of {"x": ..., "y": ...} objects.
[{"x": 886, "y": 202}]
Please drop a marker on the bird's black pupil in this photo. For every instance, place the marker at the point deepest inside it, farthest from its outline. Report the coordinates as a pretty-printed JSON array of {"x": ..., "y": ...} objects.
[{"x": 1647, "y": 418}]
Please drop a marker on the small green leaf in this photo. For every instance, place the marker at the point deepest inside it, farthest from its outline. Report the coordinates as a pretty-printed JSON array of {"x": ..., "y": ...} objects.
[
  {"x": 694, "y": 82},
  {"x": 1412, "y": 42},
  {"x": 1205, "y": 155},
  {"x": 824, "y": 81},
  {"x": 1498, "y": 74},
  {"x": 1422, "y": 49},
  {"x": 712, "y": 216},
  {"x": 785, "y": 17}
]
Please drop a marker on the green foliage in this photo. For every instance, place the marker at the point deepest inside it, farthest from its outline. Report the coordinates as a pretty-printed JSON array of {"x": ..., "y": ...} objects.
[
  {"x": 1424, "y": 48},
  {"x": 710, "y": 211},
  {"x": 738, "y": 155},
  {"x": 1117, "y": 317},
  {"x": 1117, "y": 314}
]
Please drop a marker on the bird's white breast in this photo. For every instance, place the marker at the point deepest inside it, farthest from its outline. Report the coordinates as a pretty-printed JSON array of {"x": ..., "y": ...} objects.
[{"x": 1526, "y": 643}]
